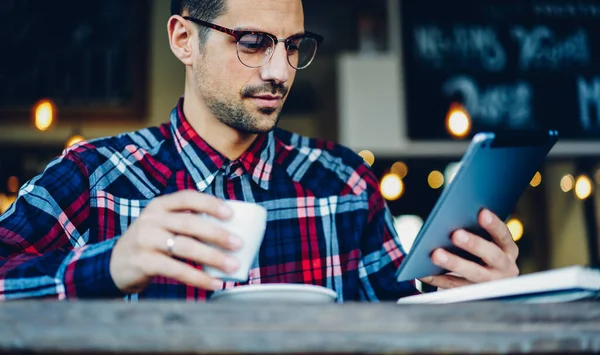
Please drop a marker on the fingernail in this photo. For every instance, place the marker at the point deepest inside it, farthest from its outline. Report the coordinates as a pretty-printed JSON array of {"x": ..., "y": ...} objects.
[
  {"x": 217, "y": 284},
  {"x": 235, "y": 241},
  {"x": 442, "y": 257},
  {"x": 462, "y": 237},
  {"x": 487, "y": 217},
  {"x": 224, "y": 210},
  {"x": 231, "y": 264}
]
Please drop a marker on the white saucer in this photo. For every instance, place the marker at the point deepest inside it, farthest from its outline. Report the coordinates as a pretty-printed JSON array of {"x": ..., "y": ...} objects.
[{"x": 298, "y": 293}]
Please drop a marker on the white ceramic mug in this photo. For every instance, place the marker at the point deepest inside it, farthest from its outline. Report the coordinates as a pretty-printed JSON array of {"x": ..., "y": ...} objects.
[{"x": 249, "y": 221}]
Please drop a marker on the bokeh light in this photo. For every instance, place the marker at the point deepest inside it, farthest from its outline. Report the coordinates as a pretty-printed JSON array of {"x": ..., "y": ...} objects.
[
  {"x": 516, "y": 228},
  {"x": 13, "y": 184},
  {"x": 450, "y": 172},
  {"x": 567, "y": 183},
  {"x": 458, "y": 121},
  {"x": 399, "y": 168},
  {"x": 44, "y": 114},
  {"x": 368, "y": 156},
  {"x": 391, "y": 187},
  {"x": 583, "y": 187},
  {"x": 74, "y": 140},
  {"x": 435, "y": 179},
  {"x": 536, "y": 180}
]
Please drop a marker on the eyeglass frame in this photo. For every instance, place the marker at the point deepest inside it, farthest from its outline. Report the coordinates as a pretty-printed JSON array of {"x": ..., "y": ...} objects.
[{"x": 238, "y": 34}]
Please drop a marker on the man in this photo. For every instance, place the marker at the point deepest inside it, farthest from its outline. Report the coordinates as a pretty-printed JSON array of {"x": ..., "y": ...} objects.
[{"x": 111, "y": 217}]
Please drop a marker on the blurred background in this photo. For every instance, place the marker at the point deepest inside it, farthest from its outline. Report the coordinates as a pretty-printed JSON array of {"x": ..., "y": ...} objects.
[{"x": 404, "y": 83}]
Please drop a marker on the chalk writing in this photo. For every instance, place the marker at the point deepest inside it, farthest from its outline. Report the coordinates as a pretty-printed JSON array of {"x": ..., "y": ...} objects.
[
  {"x": 540, "y": 48},
  {"x": 497, "y": 105},
  {"x": 589, "y": 101},
  {"x": 572, "y": 10},
  {"x": 467, "y": 44},
  {"x": 516, "y": 65}
]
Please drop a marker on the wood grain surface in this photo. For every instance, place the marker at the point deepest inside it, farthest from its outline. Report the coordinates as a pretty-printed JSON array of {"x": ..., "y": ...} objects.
[{"x": 227, "y": 328}]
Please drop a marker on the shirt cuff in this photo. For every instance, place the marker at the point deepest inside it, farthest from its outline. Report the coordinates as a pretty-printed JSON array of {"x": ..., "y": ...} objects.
[{"x": 86, "y": 272}]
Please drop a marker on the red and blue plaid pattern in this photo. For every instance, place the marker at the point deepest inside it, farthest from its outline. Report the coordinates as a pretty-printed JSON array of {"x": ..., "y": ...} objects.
[{"x": 328, "y": 224}]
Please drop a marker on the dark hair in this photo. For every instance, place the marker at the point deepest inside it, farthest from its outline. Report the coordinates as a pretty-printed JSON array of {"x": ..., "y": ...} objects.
[{"x": 206, "y": 10}]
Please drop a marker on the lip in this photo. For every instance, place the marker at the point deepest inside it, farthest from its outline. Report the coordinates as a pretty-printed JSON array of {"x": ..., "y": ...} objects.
[{"x": 266, "y": 100}]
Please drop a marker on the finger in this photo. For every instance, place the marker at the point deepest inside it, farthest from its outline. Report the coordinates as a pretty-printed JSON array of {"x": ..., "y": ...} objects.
[
  {"x": 168, "y": 267},
  {"x": 191, "y": 249},
  {"x": 490, "y": 253},
  {"x": 200, "y": 228},
  {"x": 446, "y": 281},
  {"x": 499, "y": 232},
  {"x": 466, "y": 268},
  {"x": 194, "y": 201}
]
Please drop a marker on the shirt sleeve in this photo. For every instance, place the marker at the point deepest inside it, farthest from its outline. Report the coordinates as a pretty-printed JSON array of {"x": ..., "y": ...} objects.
[
  {"x": 45, "y": 245},
  {"x": 381, "y": 248}
]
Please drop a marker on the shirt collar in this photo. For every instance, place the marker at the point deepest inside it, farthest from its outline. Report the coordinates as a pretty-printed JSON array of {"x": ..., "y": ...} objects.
[
  {"x": 258, "y": 159},
  {"x": 204, "y": 162}
]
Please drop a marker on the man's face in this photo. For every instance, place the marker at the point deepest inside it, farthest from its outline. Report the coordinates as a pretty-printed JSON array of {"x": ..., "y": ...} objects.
[{"x": 248, "y": 99}]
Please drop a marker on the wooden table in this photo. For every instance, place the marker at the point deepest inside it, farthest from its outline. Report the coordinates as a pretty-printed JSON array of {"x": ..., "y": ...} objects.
[{"x": 385, "y": 328}]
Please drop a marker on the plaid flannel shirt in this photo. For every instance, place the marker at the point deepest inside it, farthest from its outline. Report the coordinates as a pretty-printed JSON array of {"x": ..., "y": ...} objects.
[{"x": 328, "y": 224}]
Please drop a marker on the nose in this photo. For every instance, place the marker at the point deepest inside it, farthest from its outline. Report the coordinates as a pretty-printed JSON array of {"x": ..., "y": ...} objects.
[{"x": 277, "y": 69}]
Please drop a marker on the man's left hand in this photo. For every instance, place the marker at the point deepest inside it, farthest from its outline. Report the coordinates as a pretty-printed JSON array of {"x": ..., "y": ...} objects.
[{"x": 499, "y": 256}]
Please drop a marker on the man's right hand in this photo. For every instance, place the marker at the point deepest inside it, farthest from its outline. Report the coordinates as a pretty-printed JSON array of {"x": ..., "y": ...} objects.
[{"x": 143, "y": 251}]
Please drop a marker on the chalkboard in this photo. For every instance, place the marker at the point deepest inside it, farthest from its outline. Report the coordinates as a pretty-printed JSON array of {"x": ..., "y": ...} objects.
[
  {"x": 515, "y": 65},
  {"x": 89, "y": 57}
]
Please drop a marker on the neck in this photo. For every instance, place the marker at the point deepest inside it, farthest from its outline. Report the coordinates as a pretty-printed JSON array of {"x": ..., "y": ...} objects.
[{"x": 226, "y": 140}]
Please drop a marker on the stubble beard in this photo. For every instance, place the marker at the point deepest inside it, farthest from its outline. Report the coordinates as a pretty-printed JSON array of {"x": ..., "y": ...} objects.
[{"x": 232, "y": 112}]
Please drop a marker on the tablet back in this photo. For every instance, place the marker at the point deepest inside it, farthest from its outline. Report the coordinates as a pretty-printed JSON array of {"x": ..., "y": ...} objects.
[{"x": 494, "y": 172}]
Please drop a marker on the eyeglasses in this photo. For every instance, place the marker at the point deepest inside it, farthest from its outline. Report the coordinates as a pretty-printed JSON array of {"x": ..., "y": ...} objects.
[{"x": 255, "y": 48}]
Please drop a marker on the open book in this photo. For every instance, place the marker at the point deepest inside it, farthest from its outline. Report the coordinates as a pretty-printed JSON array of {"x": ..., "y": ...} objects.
[{"x": 560, "y": 285}]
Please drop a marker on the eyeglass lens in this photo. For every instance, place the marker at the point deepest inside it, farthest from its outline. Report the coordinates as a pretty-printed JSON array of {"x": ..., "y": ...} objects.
[{"x": 254, "y": 50}]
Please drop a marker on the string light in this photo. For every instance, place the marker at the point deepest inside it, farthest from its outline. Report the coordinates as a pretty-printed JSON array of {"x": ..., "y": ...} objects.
[
  {"x": 13, "y": 184},
  {"x": 6, "y": 202},
  {"x": 536, "y": 180},
  {"x": 516, "y": 228},
  {"x": 368, "y": 156},
  {"x": 399, "y": 168},
  {"x": 435, "y": 179},
  {"x": 391, "y": 187},
  {"x": 458, "y": 121},
  {"x": 74, "y": 140},
  {"x": 44, "y": 114},
  {"x": 567, "y": 183},
  {"x": 2, "y": 203},
  {"x": 583, "y": 187}
]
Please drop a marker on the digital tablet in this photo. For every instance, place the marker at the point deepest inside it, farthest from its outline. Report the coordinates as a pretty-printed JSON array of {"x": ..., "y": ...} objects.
[{"x": 493, "y": 173}]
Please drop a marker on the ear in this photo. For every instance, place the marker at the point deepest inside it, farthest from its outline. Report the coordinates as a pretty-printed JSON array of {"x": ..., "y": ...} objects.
[{"x": 181, "y": 39}]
